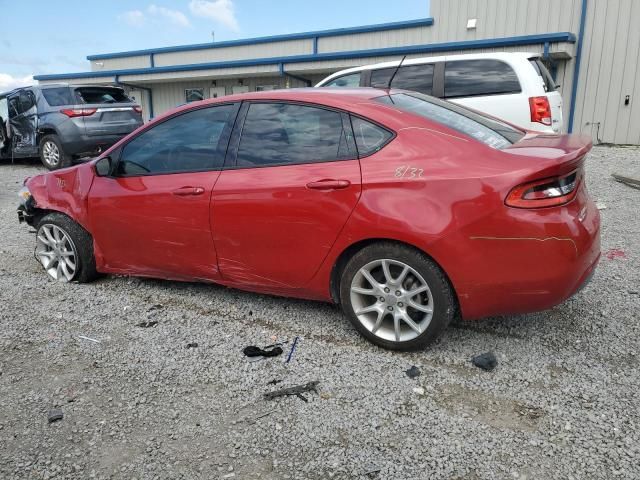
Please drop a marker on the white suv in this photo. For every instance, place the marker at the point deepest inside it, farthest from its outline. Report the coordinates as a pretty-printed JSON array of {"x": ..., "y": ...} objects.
[{"x": 515, "y": 87}]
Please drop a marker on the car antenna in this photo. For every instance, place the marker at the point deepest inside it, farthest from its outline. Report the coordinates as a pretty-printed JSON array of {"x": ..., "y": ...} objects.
[{"x": 395, "y": 72}]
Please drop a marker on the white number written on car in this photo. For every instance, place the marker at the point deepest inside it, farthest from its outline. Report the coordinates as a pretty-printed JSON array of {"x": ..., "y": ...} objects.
[{"x": 407, "y": 171}]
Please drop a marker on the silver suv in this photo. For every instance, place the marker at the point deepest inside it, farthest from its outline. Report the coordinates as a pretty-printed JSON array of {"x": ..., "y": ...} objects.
[{"x": 63, "y": 122}]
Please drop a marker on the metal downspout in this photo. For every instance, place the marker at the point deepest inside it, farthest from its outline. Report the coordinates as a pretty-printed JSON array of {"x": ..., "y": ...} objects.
[{"x": 576, "y": 70}]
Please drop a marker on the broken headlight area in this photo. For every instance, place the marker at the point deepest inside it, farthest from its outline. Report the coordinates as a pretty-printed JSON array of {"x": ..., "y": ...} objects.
[{"x": 26, "y": 206}]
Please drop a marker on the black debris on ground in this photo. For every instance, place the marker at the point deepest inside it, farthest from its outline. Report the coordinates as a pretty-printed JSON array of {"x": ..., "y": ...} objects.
[
  {"x": 413, "y": 372},
  {"x": 55, "y": 414},
  {"x": 192, "y": 345},
  {"x": 296, "y": 390},
  {"x": 147, "y": 324},
  {"x": 485, "y": 361},
  {"x": 253, "y": 351}
]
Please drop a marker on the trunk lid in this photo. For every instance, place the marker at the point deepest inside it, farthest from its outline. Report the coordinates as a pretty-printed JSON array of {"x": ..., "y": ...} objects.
[{"x": 551, "y": 154}]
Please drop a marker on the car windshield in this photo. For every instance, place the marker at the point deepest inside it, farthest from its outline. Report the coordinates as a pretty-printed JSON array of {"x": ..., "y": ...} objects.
[{"x": 487, "y": 130}]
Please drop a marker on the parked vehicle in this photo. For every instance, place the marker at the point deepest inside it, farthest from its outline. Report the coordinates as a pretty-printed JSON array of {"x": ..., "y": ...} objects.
[
  {"x": 63, "y": 122},
  {"x": 405, "y": 209},
  {"x": 516, "y": 87}
]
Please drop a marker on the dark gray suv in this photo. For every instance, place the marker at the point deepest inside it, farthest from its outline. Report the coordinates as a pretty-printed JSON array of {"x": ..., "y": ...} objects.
[{"x": 63, "y": 122}]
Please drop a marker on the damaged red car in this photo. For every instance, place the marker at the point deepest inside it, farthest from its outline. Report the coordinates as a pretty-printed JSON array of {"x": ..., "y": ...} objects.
[{"x": 406, "y": 210}]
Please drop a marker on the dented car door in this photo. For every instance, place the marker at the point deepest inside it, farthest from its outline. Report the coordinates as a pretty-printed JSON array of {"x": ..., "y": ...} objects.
[{"x": 23, "y": 122}]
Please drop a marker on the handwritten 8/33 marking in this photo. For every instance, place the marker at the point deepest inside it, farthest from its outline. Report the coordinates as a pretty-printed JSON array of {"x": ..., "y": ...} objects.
[{"x": 407, "y": 171}]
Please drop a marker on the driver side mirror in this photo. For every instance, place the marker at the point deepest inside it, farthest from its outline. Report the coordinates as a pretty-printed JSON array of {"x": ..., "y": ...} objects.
[{"x": 104, "y": 167}]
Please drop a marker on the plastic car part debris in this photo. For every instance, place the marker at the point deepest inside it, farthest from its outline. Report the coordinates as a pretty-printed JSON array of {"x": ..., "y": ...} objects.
[
  {"x": 419, "y": 391},
  {"x": 413, "y": 372},
  {"x": 615, "y": 253},
  {"x": 297, "y": 390},
  {"x": 192, "y": 345},
  {"x": 485, "y": 361},
  {"x": 253, "y": 351},
  {"x": 631, "y": 182},
  {"x": 90, "y": 339},
  {"x": 55, "y": 414},
  {"x": 147, "y": 324},
  {"x": 293, "y": 347}
]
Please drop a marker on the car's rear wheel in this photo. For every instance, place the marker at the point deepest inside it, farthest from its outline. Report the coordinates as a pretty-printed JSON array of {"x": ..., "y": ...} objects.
[
  {"x": 64, "y": 249},
  {"x": 52, "y": 154},
  {"x": 396, "y": 296}
]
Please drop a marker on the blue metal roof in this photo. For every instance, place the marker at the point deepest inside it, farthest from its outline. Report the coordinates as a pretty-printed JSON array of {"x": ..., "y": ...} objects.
[
  {"x": 378, "y": 52},
  {"x": 422, "y": 22}
]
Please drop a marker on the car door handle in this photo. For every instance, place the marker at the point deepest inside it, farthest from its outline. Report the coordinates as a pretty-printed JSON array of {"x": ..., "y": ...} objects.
[
  {"x": 328, "y": 184},
  {"x": 188, "y": 191}
]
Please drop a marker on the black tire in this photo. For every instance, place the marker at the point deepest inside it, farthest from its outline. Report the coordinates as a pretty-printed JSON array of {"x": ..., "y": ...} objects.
[
  {"x": 82, "y": 241},
  {"x": 64, "y": 160},
  {"x": 444, "y": 302}
]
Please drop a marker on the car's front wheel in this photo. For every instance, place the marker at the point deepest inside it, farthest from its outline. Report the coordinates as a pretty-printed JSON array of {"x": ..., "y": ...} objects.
[
  {"x": 52, "y": 154},
  {"x": 396, "y": 296},
  {"x": 65, "y": 249}
]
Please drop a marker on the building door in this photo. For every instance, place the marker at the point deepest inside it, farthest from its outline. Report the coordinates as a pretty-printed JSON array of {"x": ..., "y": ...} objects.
[{"x": 217, "y": 92}]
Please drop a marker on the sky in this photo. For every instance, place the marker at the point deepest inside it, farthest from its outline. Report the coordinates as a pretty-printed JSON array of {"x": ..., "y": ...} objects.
[{"x": 45, "y": 36}]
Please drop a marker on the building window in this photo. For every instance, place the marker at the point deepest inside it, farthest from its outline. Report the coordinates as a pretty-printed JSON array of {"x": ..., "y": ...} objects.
[
  {"x": 194, "y": 94},
  {"x": 265, "y": 88}
]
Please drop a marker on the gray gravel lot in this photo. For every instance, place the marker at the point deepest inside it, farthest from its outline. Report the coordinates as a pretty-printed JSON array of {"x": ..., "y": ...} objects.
[{"x": 562, "y": 403}]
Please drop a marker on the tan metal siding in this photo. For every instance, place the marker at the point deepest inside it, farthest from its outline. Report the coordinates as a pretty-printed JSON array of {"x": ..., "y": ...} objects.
[
  {"x": 245, "y": 52},
  {"x": 502, "y": 18},
  {"x": 195, "y": 74},
  {"x": 372, "y": 40},
  {"x": 609, "y": 72},
  {"x": 82, "y": 81},
  {"x": 140, "y": 61}
]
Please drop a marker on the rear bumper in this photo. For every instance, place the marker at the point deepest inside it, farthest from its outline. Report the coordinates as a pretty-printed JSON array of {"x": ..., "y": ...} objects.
[
  {"x": 89, "y": 145},
  {"x": 522, "y": 270}
]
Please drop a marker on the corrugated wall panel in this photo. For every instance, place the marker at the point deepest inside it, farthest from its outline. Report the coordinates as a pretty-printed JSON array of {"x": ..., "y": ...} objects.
[
  {"x": 609, "y": 72},
  {"x": 365, "y": 41},
  {"x": 628, "y": 131},
  {"x": 500, "y": 18},
  {"x": 140, "y": 61},
  {"x": 209, "y": 74},
  {"x": 275, "y": 49}
]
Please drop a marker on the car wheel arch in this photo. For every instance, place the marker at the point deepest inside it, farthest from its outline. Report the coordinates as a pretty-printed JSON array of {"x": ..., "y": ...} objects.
[{"x": 346, "y": 254}]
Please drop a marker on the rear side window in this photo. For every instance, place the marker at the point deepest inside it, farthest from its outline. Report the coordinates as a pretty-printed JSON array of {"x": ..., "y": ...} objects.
[
  {"x": 57, "y": 97},
  {"x": 101, "y": 95},
  {"x": 418, "y": 78},
  {"x": 189, "y": 142},
  {"x": 541, "y": 70},
  {"x": 351, "y": 80},
  {"x": 467, "y": 78},
  {"x": 283, "y": 134},
  {"x": 370, "y": 137},
  {"x": 486, "y": 130}
]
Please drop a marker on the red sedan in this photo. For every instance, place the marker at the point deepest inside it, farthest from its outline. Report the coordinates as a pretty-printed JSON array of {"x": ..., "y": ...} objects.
[{"x": 405, "y": 209}]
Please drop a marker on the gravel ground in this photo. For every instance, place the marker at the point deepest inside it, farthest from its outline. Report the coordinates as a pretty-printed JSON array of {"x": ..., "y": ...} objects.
[{"x": 562, "y": 403}]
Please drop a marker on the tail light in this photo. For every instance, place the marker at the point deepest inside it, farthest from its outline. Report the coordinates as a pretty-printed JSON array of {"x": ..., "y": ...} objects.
[
  {"x": 78, "y": 112},
  {"x": 540, "y": 110},
  {"x": 137, "y": 108},
  {"x": 549, "y": 192}
]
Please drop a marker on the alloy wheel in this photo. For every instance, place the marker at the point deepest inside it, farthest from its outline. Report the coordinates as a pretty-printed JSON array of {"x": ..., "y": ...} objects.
[
  {"x": 392, "y": 300},
  {"x": 51, "y": 153},
  {"x": 56, "y": 252}
]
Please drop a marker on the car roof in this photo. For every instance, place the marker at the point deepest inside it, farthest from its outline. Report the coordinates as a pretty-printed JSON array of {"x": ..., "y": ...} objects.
[
  {"x": 343, "y": 98},
  {"x": 505, "y": 56}
]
